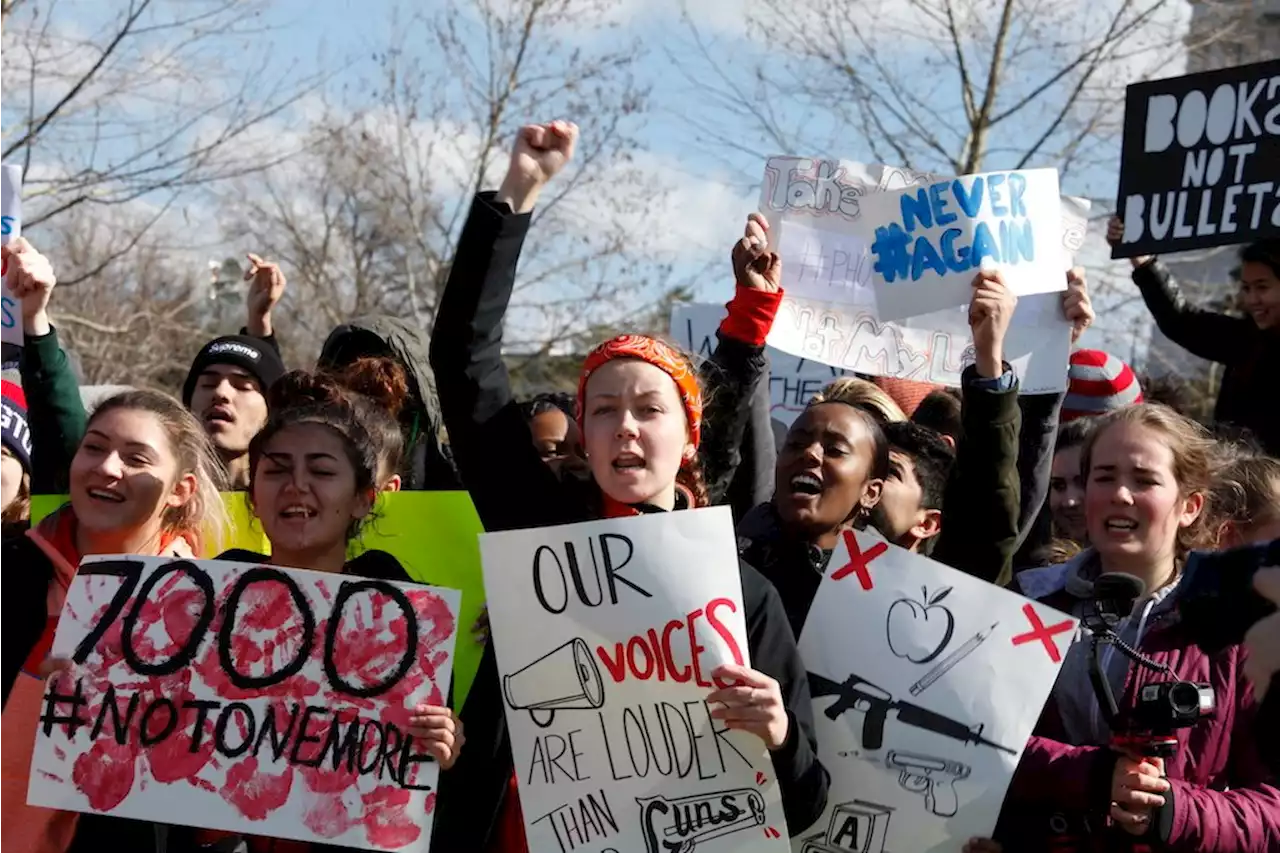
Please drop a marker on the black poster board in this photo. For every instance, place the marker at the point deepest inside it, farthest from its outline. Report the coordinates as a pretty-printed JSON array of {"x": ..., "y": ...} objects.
[{"x": 1200, "y": 163}]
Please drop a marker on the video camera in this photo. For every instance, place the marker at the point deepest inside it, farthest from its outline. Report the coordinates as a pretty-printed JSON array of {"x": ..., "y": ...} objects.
[{"x": 1163, "y": 706}]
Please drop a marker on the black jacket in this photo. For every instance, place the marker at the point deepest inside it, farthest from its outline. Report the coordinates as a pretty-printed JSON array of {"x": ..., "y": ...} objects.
[
  {"x": 981, "y": 507},
  {"x": 793, "y": 566},
  {"x": 752, "y": 482},
  {"x": 426, "y": 463},
  {"x": 1250, "y": 355},
  {"x": 27, "y": 575},
  {"x": 512, "y": 488}
]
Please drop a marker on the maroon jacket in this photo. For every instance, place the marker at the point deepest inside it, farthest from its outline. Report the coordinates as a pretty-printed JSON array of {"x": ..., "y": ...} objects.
[{"x": 1225, "y": 799}]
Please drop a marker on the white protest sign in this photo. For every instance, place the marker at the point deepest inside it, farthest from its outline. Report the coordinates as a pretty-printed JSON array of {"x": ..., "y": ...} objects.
[
  {"x": 929, "y": 241},
  {"x": 792, "y": 380},
  {"x": 926, "y": 685},
  {"x": 606, "y": 635},
  {"x": 831, "y": 314},
  {"x": 10, "y": 228},
  {"x": 248, "y": 698}
]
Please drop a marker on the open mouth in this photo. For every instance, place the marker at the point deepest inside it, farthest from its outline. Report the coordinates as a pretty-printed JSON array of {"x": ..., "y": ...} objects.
[
  {"x": 105, "y": 495},
  {"x": 628, "y": 462},
  {"x": 805, "y": 484},
  {"x": 297, "y": 511},
  {"x": 1121, "y": 525},
  {"x": 219, "y": 415}
]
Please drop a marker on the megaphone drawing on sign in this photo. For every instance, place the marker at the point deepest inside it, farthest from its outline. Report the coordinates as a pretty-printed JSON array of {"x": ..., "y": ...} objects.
[{"x": 565, "y": 678}]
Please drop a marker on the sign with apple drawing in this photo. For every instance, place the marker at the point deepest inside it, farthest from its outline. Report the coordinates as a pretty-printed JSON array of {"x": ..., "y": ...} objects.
[
  {"x": 920, "y": 630},
  {"x": 936, "y": 742}
]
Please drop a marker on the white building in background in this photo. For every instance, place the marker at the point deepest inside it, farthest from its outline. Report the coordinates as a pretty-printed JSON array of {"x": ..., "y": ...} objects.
[{"x": 1222, "y": 33}]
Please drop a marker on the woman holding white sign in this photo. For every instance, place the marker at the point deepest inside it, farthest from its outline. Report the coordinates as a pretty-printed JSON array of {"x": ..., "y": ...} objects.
[
  {"x": 1188, "y": 779},
  {"x": 315, "y": 471},
  {"x": 144, "y": 481},
  {"x": 641, "y": 412}
]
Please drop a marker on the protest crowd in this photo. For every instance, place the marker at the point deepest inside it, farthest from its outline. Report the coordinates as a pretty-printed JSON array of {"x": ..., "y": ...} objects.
[{"x": 1049, "y": 496}]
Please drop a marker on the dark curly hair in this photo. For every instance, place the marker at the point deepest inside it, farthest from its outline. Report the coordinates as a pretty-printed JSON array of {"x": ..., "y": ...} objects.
[
  {"x": 301, "y": 397},
  {"x": 380, "y": 389}
]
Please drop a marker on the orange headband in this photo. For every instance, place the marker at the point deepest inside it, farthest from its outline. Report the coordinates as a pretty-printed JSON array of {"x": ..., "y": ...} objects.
[{"x": 660, "y": 355}]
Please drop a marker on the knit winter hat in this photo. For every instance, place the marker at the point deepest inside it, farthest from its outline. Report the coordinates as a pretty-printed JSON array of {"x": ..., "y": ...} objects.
[
  {"x": 13, "y": 419},
  {"x": 252, "y": 354},
  {"x": 1097, "y": 383}
]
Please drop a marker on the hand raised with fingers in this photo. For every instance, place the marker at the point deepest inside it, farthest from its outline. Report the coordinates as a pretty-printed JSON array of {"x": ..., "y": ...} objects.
[{"x": 754, "y": 266}]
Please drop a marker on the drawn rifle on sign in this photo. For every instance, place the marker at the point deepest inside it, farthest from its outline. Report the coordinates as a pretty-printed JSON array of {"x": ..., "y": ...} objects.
[{"x": 858, "y": 694}]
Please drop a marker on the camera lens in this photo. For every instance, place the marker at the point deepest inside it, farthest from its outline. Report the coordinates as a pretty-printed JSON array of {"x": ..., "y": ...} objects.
[{"x": 1185, "y": 698}]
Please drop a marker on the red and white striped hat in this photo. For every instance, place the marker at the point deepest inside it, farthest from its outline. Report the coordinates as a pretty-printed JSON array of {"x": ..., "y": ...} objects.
[{"x": 1097, "y": 383}]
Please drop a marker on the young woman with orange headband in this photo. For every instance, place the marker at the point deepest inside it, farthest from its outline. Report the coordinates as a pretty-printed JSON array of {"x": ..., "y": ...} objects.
[{"x": 641, "y": 412}]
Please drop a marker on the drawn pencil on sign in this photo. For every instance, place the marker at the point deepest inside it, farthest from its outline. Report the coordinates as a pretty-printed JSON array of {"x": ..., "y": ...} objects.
[{"x": 946, "y": 664}]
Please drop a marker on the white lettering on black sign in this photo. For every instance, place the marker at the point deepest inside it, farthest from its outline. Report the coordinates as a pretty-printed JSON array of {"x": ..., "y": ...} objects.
[{"x": 1200, "y": 165}]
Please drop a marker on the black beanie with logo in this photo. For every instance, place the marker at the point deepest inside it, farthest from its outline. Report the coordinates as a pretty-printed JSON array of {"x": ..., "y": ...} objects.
[{"x": 254, "y": 355}]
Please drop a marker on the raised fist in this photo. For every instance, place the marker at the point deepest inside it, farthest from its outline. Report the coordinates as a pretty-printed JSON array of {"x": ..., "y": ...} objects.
[{"x": 541, "y": 151}]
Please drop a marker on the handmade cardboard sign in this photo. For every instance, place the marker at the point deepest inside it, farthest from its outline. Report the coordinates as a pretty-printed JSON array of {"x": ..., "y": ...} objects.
[
  {"x": 913, "y": 250},
  {"x": 225, "y": 695},
  {"x": 832, "y": 312},
  {"x": 10, "y": 228},
  {"x": 1200, "y": 163},
  {"x": 432, "y": 534},
  {"x": 792, "y": 380},
  {"x": 607, "y": 634},
  {"x": 926, "y": 685}
]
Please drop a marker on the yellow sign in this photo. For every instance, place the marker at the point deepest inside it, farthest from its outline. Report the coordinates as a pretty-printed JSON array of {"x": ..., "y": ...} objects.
[{"x": 432, "y": 534}]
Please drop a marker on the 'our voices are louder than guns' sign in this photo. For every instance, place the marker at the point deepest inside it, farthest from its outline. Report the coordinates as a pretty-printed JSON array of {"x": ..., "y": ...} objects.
[
  {"x": 249, "y": 698},
  {"x": 606, "y": 635}
]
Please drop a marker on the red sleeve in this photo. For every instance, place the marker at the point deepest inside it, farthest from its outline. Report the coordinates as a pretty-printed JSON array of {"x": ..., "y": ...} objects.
[{"x": 751, "y": 314}]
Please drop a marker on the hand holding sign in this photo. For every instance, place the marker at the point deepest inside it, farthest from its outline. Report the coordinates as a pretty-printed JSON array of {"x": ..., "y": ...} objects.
[
  {"x": 1076, "y": 305},
  {"x": 1115, "y": 237},
  {"x": 754, "y": 266},
  {"x": 990, "y": 311},
  {"x": 753, "y": 705},
  {"x": 540, "y": 152},
  {"x": 441, "y": 732},
  {"x": 31, "y": 280}
]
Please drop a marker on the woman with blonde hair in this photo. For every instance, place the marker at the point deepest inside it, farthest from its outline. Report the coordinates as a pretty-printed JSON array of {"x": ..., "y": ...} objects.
[
  {"x": 1149, "y": 476},
  {"x": 862, "y": 394}
]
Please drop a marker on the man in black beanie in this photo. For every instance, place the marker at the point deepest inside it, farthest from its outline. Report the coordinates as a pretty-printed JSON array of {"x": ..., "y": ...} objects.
[{"x": 226, "y": 389}]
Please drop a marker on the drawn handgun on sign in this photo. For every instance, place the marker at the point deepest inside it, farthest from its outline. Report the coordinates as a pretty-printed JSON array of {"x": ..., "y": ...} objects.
[
  {"x": 858, "y": 694},
  {"x": 934, "y": 777}
]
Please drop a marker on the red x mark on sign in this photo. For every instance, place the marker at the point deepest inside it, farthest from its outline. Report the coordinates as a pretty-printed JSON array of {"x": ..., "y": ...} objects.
[
  {"x": 1040, "y": 632},
  {"x": 858, "y": 561}
]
